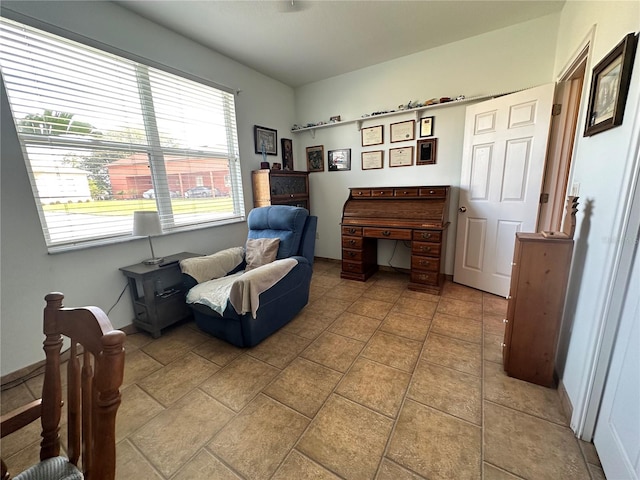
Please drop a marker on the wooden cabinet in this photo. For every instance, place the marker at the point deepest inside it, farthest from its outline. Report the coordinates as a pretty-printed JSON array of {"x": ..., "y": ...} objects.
[
  {"x": 280, "y": 187},
  {"x": 417, "y": 215},
  {"x": 539, "y": 276},
  {"x": 158, "y": 293}
]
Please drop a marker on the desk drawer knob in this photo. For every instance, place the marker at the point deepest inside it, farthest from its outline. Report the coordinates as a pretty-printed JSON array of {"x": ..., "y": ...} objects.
[
  {"x": 359, "y": 193},
  {"x": 386, "y": 233},
  {"x": 508, "y": 297},
  {"x": 352, "y": 230},
  {"x": 432, "y": 192},
  {"x": 503, "y": 345},
  {"x": 426, "y": 235},
  {"x": 424, "y": 263},
  {"x": 352, "y": 242},
  {"x": 425, "y": 249},
  {"x": 504, "y": 320},
  {"x": 351, "y": 254}
]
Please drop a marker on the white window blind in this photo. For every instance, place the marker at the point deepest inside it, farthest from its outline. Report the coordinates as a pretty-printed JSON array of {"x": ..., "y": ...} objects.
[{"x": 104, "y": 136}]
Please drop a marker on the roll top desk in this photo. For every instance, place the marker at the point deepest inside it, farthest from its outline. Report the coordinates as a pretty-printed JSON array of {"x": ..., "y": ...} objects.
[{"x": 418, "y": 215}]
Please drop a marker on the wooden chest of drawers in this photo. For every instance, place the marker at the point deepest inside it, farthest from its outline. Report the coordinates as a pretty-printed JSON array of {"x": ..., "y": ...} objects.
[
  {"x": 539, "y": 276},
  {"x": 415, "y": 214}
]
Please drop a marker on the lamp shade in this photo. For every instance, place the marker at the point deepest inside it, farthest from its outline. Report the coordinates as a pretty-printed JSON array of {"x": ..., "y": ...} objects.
[{"x": 146, "y": 224}]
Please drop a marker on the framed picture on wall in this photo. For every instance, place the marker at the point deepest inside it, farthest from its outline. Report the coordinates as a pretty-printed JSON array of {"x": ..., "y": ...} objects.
[
  {"x": 610, "y": 86},
  {"x": 315, "y": 158},
  {"x": 339, "y": 159},
  {"x": 401, "y": 157},
  {"x": 372, "y": 160},
  {"x": 426, "y": 154},
  {"x": 372, "y": 136},
  {"x": 287, "y": 153},
  {"x": 426, "y": 126},
  {"x": 266, "y": 140},
  {"x": 403, "y": 131}
]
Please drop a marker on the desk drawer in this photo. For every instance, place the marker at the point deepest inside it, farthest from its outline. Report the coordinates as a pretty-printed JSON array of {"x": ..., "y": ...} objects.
[
  {"x": 382, "y": 192},
  {"x": 427, "y": 235},
  {"x": 434, "y": 192},
  {"x": 352, "y": 242},
  {"x": 352, "y": 267},
  {"x": 431, "y": 264},
  {"x": 361, "y": 192},
  {"x": 427, "y": 278},
  {"x": 355, "y": 231},
  {"x": 390, "y": 233},
  {"x": 405, "y": 192},
  {"x": 423, "y": 248},
  {"x": 353, "y": 255}
]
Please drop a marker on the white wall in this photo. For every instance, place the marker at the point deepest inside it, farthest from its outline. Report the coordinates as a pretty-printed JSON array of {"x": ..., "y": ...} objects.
[
  {"x": 503, "y": 60},
  {"x": 602, "y": 166},
  {"x": 91, "y": 276}
]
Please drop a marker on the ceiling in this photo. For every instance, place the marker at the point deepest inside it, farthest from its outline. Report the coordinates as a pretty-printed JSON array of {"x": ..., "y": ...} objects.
[{"x": 298, "y": 41}]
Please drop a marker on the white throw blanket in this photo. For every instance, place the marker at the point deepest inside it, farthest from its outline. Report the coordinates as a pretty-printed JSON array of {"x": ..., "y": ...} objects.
[
  {"x": 212, "y": 266},
  {"x": 243, "y": 289}
]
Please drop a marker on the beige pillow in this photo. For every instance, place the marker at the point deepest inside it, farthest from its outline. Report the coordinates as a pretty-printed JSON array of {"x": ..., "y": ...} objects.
[{"x": 260, "y": 251}]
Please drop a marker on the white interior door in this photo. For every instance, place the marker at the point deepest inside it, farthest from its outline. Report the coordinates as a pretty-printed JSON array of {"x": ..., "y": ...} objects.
[
  {"x": 505, "y": 146},
  {"x": 617, "y": 435}
]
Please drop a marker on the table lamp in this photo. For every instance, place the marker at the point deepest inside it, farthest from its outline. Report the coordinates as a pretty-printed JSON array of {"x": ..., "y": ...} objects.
[{"x": 146, "y": 224}]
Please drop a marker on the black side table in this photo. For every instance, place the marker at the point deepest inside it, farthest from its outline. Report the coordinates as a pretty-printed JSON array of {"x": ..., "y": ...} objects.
[{"x": 157, "y": 293}]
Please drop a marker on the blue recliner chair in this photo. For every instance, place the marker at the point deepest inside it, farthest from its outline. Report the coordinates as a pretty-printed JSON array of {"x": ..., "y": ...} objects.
[{"x": 244, "y": 305}]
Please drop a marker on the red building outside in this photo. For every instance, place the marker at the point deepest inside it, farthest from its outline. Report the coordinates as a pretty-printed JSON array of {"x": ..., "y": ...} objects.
[{"x": 130, "y": 177}]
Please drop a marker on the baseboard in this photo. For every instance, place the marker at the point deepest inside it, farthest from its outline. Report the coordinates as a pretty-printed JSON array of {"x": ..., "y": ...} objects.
[{"x": 567, "y": 408}]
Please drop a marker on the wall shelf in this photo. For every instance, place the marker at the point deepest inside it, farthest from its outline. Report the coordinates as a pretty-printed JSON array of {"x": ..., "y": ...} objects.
[{"x": 416, "y": 111}]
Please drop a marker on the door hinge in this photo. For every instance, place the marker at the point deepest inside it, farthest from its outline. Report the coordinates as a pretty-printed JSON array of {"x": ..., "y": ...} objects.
[
  {"x": 556, "y": 109},
  {"x": 544, "y": 198}
]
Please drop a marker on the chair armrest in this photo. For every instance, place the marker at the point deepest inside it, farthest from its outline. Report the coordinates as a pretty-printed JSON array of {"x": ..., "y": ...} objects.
[
  {"x": 20, "y": 417},
  {"x": 213, "y": 266}
]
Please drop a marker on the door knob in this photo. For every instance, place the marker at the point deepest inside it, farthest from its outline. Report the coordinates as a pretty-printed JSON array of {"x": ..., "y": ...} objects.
[{"x": 462, "y": 209}]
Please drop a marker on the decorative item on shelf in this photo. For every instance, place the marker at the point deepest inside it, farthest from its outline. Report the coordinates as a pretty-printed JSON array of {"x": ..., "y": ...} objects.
[
  {"x": 340, "y": 159},
  {"x": 315, "y": 158},
  {"x": 426, "y": 126},
  {"x": 146, "y": 224},
  {"x": 276, "y": 166},
  {"x": 287, "y": 153},
  {"x": 266, "y": 140},
  {"x": 427, "y": 150},
  {"x": 610, "y": 86},
  {"x": 334, "y": 119},
  {"x": 265, "y": 165},
  {"x": 445, "y": 99}
]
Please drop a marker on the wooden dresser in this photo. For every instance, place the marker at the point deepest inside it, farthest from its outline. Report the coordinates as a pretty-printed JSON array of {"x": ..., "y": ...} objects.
[
  {"x": 418, "y": 215},
  {"x": 280, "y": 187},
  {"x": 539, "y": 277}
]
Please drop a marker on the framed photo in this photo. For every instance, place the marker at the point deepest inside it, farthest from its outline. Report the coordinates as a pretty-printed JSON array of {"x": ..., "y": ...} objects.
[
  {"x": 610, "y": 86},
  {"x": 266, "y": 140},
  {"x": 287, "y": 153},
  {"x": 426, "y": 126},
  {"x": 315, "y": 158},
  {"x": 339, "y": 159},
  {"x": 401, "y": 157},
  {"x": 427, "y": 149},
  {"x": 372, "y": 160},
  {"x": 403, "y": 131},
  {"x": 372, "y": 136}
]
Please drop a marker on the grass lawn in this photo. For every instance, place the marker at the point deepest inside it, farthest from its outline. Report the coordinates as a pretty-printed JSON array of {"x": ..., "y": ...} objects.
[{"x": 127, "y": 207}]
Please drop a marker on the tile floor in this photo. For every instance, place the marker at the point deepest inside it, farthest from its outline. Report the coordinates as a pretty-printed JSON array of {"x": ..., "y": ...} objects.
[{"x": 371, "y": 380}]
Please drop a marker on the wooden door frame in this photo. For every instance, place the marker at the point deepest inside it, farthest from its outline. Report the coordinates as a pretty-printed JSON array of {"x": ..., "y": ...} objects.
[{"x": 561, "y": 146}]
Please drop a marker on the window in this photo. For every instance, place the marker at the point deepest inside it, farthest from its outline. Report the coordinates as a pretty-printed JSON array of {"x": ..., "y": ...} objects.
[{"x": 104, "y": 136}]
